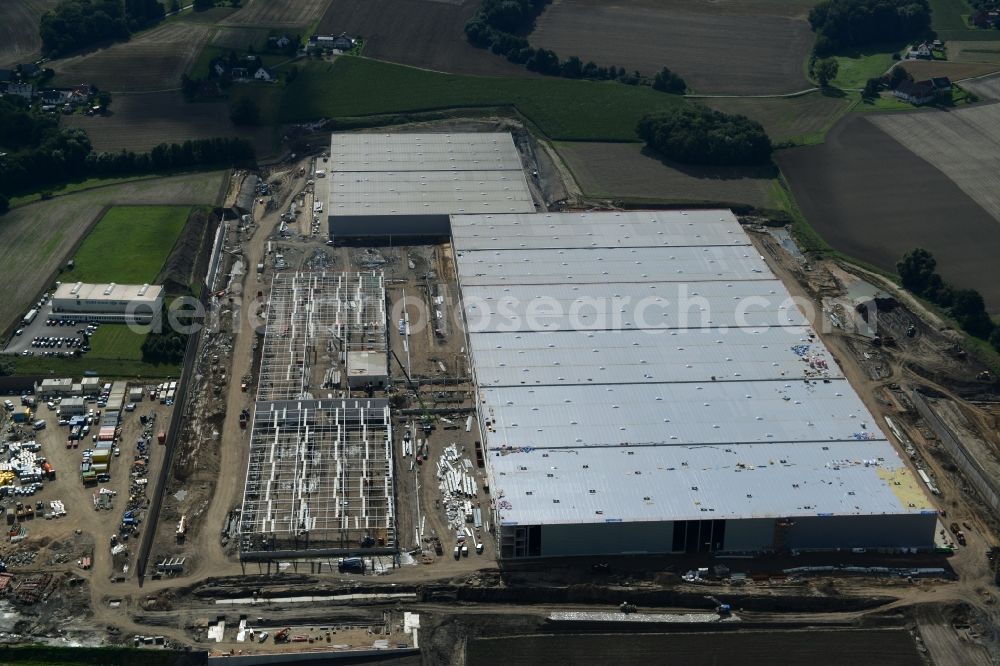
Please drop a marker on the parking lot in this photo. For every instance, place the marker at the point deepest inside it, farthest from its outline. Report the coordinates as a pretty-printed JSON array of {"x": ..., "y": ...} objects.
[{"x": 43, "y": 335}]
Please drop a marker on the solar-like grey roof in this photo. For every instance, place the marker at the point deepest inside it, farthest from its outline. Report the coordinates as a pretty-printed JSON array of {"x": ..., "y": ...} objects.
[
  {"x": 676, "y": 413},
  {"x": 641, "y": 356},
  {"x": 653, "y": 483},
  {"x": 425, "y": 174},
  {"x": 669, "y": 305},
  {"x": 641, "y": 366},
  {"x": 428, "y": 192},
  {"x": 472, "y": 151},
  {"x": 634, "y": 264},
  {"x": 696, "y": 228}
]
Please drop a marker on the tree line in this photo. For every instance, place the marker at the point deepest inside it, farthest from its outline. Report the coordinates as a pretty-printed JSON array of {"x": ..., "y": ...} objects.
[
  {"x": 844, "y": 24},
  {"x": 39, "y": 154},
  {"x": 695, "y": 134},
  {"x": 917, "y": 271},
  {"x": 164, "y": 347},
  {"x": 499, "y": 25},
  {"x": 76, "y": 24}
]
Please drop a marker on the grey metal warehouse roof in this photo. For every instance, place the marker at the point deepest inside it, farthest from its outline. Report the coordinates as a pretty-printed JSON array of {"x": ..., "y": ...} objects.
[
  {"x": 428, "y": 192},
  {"x": 473, "y": 151},
  {"x": 625, "y": 484},
  {"x": 647, "y": 366},
  {"x": 618, "y": 229},
  {"x": 668, "y": 414},
  {"x": 667, "y": 305},
  {"x": 634, "y": 264},
  {"x": 640, "y": 356}
]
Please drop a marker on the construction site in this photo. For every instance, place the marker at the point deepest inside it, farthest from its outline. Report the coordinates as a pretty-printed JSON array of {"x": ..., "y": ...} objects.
[
  {"x": 512, "y": 423},
  {"x": 320, "y": 476}
]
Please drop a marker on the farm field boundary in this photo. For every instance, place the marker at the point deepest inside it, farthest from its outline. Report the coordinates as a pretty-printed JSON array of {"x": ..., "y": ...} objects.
[
  {"x": 19, "y": 38},
  {"x": 140, "y": 122},
  {"x": 561, "y": 108},
  {"x": 716, "y": 50},
  {"x": 627, "y": 172},
  {"x": 129, "y": 244},
  {"x": 871, "y": 198},
  {"x": 963, "y": 144},
  {"x": 422, "y": 33},
  {"x": 153, "y": 60},
  {"x": 32, "y": 253}
]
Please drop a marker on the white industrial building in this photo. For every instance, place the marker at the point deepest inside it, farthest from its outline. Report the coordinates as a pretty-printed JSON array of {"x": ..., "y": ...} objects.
[
  {"x": 112, "y": 302},
  {"x": 407, "y": 185},
  {"x": 647, "y": 385}
]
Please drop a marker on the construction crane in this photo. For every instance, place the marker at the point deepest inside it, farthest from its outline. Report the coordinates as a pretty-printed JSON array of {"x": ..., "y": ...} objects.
[{"x": 426, "y": 420}]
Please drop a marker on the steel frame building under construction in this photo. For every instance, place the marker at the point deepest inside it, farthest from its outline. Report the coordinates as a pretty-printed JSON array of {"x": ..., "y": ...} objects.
[{"x": 319, "y": 481}]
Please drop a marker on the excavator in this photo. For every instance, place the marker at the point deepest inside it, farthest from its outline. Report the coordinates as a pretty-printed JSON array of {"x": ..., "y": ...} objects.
[{"x": 282, "y": 636}]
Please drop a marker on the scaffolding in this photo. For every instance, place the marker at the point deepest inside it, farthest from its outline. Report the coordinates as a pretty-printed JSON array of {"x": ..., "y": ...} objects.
[
  {"x": 315, "y": 323},
  {"x": 319, "y": 479}
]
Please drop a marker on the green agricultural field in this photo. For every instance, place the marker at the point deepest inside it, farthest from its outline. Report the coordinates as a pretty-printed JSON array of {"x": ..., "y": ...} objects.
[
  {"x": 949, "y": 19},
  {"x": 563, "y": 109},
  {"x": 949, "y": 15},
  {"x": 129, "y": 245},
  {"x": 856, "y": 68}
]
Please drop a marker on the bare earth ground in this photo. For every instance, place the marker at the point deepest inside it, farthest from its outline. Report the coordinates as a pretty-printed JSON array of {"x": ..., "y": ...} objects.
[
  {"x": 422, "y": 33},
  {"x": 964, "y": 144},
  {"x": 239, "y": 38},
  {"x": 787, "y": 118},
  {"x": 19, "y": 40},
  {"x": 988, "y": 52},
  {"x": 873, "y": 199},
  {"x": 987, "y": 87},
  {"x": 956, "y": 71},
  {"x": 623, "y": 171},
  {"x": 278, "y": 13},
  {"x": 36, "y": 239},
  {"x": 140, "y": 121},
  {"x": 155, "y": 60},
  {"x": 715, "y": 51},
  {"x": 818, "y": 648}
]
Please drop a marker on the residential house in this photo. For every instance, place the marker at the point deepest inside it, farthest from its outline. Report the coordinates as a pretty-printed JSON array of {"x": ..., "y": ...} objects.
[
  {"x": 282, "y": 42},
  {"x": 54, "y": 96},
  {"x": 942, "y": 84},
  {"x": 263, "y": 74},
  {"x": 916, "y": 92},
  {"x": 240, "y": 74},
  {"x": 921, "y": 52},
  {"x": 80, "y": 94},
  {"x": 343, "y": 42},
  {"x": 219, "y": 67},
  {"x": 25, "y": 90}
]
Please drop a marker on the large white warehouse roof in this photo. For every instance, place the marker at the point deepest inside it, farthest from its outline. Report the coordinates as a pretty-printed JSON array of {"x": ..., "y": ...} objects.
[{"x": 648, "y": 366}]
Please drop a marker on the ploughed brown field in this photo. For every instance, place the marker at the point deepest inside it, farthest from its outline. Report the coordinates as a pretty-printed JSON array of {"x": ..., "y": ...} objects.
[
  {"x": 726, "y": 47},
  {"x": 278, "y": 13},
  {"x": 140, "y": 122},
  {"x": 422, "y": 33},
  {"x": 153, "y": 60},
  {"x": 871, "y": 198},
  {"x": 626, "y": 171},
  {"x": 19, "y": 39}
]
